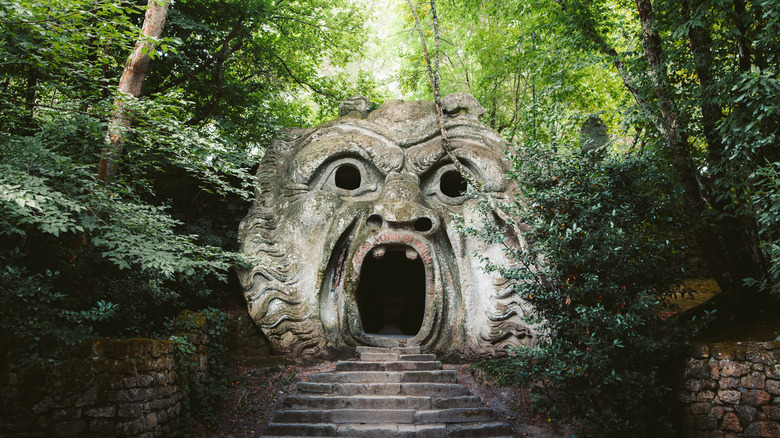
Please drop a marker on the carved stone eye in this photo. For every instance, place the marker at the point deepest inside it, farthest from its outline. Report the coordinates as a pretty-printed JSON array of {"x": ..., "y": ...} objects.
[
  {"x": 445, "y": 184},
  {"x": 452, "y": 184},
  {"x": 347, "y": 177}
]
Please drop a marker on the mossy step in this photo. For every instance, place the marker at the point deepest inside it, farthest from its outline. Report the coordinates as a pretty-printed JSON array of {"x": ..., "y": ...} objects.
[{"x": 406, "y": 365}]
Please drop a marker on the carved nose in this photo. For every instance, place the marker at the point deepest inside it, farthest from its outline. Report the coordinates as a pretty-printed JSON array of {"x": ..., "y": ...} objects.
[{"x": 400, "y": 206}]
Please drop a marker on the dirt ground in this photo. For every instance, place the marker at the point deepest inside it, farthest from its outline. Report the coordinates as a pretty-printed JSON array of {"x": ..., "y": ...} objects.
[{"x": 258, "y": 386}]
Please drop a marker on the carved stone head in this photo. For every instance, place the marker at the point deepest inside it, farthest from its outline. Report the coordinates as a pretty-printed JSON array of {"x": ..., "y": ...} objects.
[{"x": 356, "y": 221}]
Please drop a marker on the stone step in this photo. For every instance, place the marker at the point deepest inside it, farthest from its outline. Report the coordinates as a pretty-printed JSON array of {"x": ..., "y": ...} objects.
[
  {"x": 419, "y": 389},
  {"x": 456, "y": 415},
  {"x": 460, "y": 415},
  {"x": 406, "y": 365},
  {"x": 310, "y": 416},
  {"x": 418, "y": 357},
  {"x": 358, "y": 401},
  {"x": 363, "y": 402},
  {"x": 397, "y": 350},
  {"x": 393, "y": 430},
  {"x": 469, "y": 401},
  {"x": 388, "y": 393},
  {"x": 391, "y": 357},
  {"x": 437, "y": 376},
  {"x": 491, "y": 429},
  {"x": 293, "y": 429},
  {"x": 389, "y": 430},
  {"x": 376, "y": 357}
]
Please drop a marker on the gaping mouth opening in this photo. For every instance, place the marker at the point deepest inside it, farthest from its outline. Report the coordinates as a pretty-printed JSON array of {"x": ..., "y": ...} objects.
[{"x": 391, "y": 291}]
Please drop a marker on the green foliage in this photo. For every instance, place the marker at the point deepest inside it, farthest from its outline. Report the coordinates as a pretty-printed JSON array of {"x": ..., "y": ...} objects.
[
  {"x": 533, "y": 83},
  {"x": 80, "y": 257},
  {"x": 201, "y": 396},
  {"x": 251, "y": 67},
  {"x": 766, "y": 201},
  {"x": 602, "y": 237}
]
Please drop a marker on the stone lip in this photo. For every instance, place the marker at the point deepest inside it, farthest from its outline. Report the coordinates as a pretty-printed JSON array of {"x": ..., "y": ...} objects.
[
  {"x": 405, "y": 238},
  {"x": 425, "y": 252}
]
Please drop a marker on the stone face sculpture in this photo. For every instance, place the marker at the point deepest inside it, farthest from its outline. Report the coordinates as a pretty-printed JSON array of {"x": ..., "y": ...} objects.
[
  {"x": 594, "y": 139},
  {"x": 355, "y": 223}
]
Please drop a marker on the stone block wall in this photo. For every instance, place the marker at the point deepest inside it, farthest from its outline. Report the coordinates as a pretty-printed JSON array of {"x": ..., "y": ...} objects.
[
  {"x": 732, "y": 390},
  {"x": 123, "y": 388},
  {"x": 115, "y": 388}
]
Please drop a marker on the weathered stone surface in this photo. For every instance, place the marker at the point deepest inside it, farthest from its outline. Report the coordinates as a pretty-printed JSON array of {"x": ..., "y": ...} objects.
[
  {"x": 705, "y": 396},
  {"x": 729, "y": 396},
  {"x": 766, "y": 429},
  {"x": 342, "y": 208},
  {"x": 747, "y": 413},
  {"x": 730, "y": 368},
  {"x": 773, "y": 387},
  {"x": 774, "y": 371},
  {"x": 692, "y": 385},
  {"x": 463, "y": 105},
  {"x": 755, "y": 397},
  {"x": 697, "y": 369},
  {"x": 728, "y": 383},
  {"x": 758, "y": 356},
  {"x": 714, "y": 369},
  {"x": 717, "y": 412},
  {"x": 753, "y": 380},
  {"x": 731, "y": 423},
  {"x": 118, "y": 388},
  {"x": 701, "y": 408},
  {"x": 357, "y": 106},
  {"x": 772, "y": 412},
  {"x": 705, "y": 423},
  {"x": 593, "y": 137}
]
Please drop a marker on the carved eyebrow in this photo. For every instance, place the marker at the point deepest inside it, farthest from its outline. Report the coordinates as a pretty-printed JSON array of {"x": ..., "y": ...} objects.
[
  {"x": 344, "y": 140},
  {"x": 421, "y": 157},
  {"x": 482, "y": 159}
]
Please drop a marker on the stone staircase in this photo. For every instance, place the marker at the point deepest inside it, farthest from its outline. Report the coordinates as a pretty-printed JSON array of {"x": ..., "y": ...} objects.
[{"x": 394, "y": 393}]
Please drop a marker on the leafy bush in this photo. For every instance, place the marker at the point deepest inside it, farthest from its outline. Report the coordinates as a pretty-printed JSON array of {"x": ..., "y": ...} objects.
[
  {"x": 79, "y": 257},
  {"x": 766, "y": 202},
  {"x": 202, "y": 398},
  {"x": 602, "y": 237}
]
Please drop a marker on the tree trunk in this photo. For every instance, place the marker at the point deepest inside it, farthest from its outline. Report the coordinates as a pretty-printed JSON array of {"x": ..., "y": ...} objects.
[
  {"x": 677, "y": 138},
  {"x": 738, "y": 232},
  {"x": 130, "y": 84}
]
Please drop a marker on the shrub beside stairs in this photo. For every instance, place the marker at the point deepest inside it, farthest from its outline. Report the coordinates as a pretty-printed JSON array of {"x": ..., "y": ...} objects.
[{"x": 389, "y": 392}]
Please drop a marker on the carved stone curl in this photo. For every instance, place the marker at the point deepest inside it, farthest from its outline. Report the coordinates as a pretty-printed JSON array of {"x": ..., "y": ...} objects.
[{"x": 357, "y": 221}]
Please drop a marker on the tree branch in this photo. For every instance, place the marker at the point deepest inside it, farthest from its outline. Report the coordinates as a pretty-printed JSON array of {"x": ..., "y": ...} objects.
[
  {"x": 209, "y": 108},
  {"x": 302, "y": 82},
  {"x": 223, "y": 51}
]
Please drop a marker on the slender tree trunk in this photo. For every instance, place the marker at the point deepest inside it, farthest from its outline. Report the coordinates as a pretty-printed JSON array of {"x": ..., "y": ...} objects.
[
  {"x": 677, "y": 138},
  {"x": 130, "y": 84},
  {"x": 700, "y": 43},
  {"x": 30, "y": 93},
  {"x": 738, "y": 232}
]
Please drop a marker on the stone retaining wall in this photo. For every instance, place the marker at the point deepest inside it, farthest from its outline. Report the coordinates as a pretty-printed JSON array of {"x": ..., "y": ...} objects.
[
  {"x": 124, "y": 388},
  {"x": 115, "y": 388},
  {"x": 733, "y": 390}
]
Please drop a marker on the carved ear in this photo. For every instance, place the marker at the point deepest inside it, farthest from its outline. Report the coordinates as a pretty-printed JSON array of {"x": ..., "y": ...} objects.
[{"x": 463, "y": 105}]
